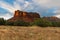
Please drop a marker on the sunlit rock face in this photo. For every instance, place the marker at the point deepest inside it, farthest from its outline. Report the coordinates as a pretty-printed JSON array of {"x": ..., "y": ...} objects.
[
  {"x": 18, "y": 13},
  {"x": 24, "y": 16}
]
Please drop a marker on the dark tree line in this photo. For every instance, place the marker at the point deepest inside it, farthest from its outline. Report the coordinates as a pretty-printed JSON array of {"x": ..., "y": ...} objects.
[{"x": 38, "y": 22}]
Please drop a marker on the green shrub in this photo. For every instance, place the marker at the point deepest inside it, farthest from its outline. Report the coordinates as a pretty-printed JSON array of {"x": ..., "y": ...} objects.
[
  {"x": 2, "y": 21},
  {"x": 56, "y": 24},
  {"x": 9, "y": 23},
  {"x": 21, "y": 23},
  {"x": 42, "y": 23}
]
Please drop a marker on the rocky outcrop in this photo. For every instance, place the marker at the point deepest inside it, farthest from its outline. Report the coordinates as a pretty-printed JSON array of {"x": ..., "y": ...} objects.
[
  {"x": 24, "y": 16},
  {"x": 52, "y": 19}
]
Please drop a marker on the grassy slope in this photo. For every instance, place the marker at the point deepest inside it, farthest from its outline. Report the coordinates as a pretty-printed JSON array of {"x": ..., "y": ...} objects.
[{"x": 29, "y": 33}]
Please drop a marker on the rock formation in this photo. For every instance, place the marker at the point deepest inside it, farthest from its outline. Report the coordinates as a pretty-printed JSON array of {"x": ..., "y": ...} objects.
[
  {"x": 52, "y": 19},
  {"x": 24, "y": 16}
]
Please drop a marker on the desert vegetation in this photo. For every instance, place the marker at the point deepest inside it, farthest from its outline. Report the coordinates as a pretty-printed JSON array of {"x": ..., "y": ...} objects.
[
  {"x": 37, "y": 22},
  {"x": 29, "y": 33},
  {"x": 40, "y": 29}
]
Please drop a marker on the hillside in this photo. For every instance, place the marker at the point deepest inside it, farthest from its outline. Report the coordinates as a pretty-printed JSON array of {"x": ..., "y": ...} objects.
[{"x": 29, "y": 33}]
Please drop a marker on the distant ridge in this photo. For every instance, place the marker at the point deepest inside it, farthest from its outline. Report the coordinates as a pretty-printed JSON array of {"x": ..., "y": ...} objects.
[{"x": 52, "y": 19}]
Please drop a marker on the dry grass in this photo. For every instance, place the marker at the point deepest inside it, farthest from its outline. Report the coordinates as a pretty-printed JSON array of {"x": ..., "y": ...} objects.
[{"x": 29, "y": 33}]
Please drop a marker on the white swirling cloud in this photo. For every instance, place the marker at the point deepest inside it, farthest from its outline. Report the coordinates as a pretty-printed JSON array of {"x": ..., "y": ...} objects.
[{"x": 40, "y": 6}]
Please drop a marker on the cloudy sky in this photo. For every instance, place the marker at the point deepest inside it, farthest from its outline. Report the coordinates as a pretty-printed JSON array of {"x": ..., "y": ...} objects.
[{"x": 43, "y": 7}]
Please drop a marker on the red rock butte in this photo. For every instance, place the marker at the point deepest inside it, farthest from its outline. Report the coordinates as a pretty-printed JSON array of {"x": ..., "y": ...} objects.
[{"x": 24, "y": 16}]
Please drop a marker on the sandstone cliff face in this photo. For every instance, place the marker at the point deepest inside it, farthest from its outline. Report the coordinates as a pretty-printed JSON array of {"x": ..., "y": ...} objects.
[{"x": 24, "y": 16}]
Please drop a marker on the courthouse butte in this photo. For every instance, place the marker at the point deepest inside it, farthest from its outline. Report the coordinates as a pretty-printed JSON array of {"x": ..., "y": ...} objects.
[{"x": 24, "y": 16}]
